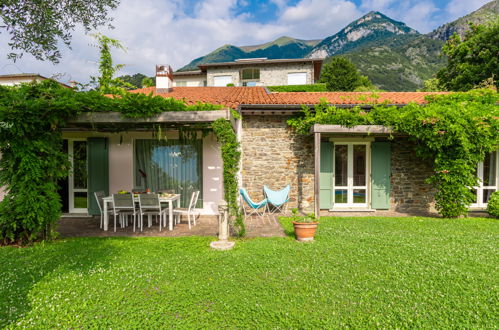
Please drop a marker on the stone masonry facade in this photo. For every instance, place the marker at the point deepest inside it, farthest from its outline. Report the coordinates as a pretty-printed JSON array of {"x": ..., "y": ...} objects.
[{"x": 274, "y": 155}]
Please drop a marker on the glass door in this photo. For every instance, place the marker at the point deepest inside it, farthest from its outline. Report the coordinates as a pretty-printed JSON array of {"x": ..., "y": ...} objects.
[
  {"x": 487, "y": 177},
  {"x": 77, "y": 180},
  {"x": 350, "y": 175}
]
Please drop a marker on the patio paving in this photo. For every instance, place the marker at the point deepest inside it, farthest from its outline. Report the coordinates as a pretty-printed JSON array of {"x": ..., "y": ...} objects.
[{"x": 206, "y": 226}]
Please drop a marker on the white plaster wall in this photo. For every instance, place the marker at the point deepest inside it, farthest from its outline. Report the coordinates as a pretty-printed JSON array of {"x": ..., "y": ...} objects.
[
  {"x": 121, "y": 174},
  {"x": 191, "y": 81},
  {"x": 212, "y": 175},
  {"x": 270, "y": 75}
]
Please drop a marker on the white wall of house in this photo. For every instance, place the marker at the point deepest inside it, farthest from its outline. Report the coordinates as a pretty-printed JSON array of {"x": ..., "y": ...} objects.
[
  {"x": 270, "y": 74},
  {"x": 195, "y": 81},
  {"x": 11, "y": 81},
  {"x": 121, "y": 158}
]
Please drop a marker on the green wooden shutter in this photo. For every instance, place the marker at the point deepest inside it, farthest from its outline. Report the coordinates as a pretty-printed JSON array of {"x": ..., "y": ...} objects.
[
  {"x": 380, "y": 175},
  {"x": 326, "y": 176},
  {"x": 98, "y": 170}
]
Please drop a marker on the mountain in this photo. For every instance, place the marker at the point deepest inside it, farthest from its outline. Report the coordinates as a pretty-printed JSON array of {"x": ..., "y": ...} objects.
[
  {"x": 400, "y": 63},
  {"x": 373, "y": 26},
  {"x": 283, "y": 47},
  {"x": 486, "y": 13}
]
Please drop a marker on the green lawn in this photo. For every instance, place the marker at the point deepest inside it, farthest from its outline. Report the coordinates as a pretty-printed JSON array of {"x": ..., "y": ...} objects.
[{"x": 360, "y": 272}]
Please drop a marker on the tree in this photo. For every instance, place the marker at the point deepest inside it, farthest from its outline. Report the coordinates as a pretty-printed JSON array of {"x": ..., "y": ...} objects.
[
  {"x": 105, "y": 82},
  {"x": 342, "y": 75},
  {"x": 36, "y": 27},
  {"x": 148, "y": 82},
  {"x": 473, "y": 60},
  {"x": 431, "y": 85}
]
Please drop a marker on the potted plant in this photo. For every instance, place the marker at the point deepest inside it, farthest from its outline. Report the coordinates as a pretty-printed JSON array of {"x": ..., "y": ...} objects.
[{"x": 305, "y": 226}]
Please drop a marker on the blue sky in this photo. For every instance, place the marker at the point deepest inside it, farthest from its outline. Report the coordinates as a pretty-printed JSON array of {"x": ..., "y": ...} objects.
[{"x": 176, "y": 31}]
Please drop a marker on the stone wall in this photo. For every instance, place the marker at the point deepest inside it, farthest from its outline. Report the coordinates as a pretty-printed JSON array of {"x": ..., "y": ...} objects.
[
  {"x": 409, "y": 192},
  {"x": 273, "y": 155}
]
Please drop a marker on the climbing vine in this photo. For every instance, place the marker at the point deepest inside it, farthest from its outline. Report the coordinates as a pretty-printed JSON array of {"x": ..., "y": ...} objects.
[
  {"x": 231, "y": 156},
  {"x": 454, "y": 131}
]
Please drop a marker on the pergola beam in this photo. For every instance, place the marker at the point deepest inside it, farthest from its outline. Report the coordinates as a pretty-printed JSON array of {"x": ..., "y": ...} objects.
[
  {"x": 164, "y": 117},
  {"x": 359, "y": 129}
]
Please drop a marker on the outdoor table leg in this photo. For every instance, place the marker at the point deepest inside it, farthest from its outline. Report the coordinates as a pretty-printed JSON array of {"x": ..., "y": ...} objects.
[
  {"x": 106, "y": 216},
  {"x": 170, "y": 214}
]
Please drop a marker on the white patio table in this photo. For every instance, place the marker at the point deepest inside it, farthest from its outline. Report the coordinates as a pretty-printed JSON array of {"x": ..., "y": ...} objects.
[{"x": 109, "y": 200}]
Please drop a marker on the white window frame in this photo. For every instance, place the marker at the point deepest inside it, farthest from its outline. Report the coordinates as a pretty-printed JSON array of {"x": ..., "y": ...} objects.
[
  {"x": 479, "y": 204},
  {"x": 71, "y": 189},
  {"x": 350, "y": 187}
]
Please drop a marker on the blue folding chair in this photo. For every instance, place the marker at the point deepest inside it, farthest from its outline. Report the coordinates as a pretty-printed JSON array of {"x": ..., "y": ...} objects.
[
  {"x": 254, "y": 208},
  {"x": 278, "y": 199}
]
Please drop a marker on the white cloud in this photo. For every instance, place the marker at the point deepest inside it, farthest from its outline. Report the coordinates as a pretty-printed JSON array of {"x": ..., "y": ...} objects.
[
  {"x": 459, "y": 8},
  {"x": 315, "y": 19},
  {"x": 168, "y": 32}
]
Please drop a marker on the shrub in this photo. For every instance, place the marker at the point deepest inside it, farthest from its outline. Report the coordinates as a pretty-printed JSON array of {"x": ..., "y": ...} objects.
[
  {"x": 493, "y": 205},
  {"x": 299, "y": 88}
]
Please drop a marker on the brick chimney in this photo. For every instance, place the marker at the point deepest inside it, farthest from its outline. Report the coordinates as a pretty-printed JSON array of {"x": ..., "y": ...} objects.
[{"x": 164, "y": 79}]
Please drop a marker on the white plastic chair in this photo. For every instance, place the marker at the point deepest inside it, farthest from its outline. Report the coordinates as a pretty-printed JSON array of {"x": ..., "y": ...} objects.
[
  {"x": 189, "y": 211},
  {"x": 123, "y": 205},
  {"x": 99, "y": 197},
  {"x": 149, "y": 205}
]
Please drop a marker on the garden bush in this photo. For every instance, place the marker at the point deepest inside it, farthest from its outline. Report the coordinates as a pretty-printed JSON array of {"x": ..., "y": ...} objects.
[{"x": 493, "y": 205}]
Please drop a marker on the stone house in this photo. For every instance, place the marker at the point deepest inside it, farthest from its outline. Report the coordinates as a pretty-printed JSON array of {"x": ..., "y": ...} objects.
[{"x": 251, "y": 72}]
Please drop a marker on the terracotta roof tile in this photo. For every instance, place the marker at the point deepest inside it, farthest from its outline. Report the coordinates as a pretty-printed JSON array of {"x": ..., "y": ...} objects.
[{"x": 232, "y": 97}]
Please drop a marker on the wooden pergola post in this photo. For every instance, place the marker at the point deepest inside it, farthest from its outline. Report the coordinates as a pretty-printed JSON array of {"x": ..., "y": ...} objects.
[{"x": 317, "y": 171}]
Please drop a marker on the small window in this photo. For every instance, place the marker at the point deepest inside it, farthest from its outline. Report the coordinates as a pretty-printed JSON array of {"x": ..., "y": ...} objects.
[
  {"x": 181, "y": 83},
  {"x": 250, "y": 74},
  {"x": 249, "y": 83}
]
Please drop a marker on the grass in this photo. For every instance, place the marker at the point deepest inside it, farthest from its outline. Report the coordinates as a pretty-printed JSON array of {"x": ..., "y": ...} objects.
[{"x": 360, "y": 272}]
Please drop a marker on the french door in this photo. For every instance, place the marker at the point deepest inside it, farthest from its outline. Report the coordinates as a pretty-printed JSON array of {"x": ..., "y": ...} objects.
[
  {"x": 351, "y": 171},
  {"x": 78, "y": 178},
  {"x": 487, "y": 172}
]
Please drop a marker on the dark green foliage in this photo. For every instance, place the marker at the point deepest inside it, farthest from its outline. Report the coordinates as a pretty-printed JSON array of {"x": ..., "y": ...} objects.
[
  {"x": 31, "y": 116},
  {"x": 392, "y": 273},
  {"x": 454, "y": 131},
  {"x": 341, "y": 75},
  {"x": 473, "y": 60},
  {"x": 298, "y": 88},
  {"x": 231, "y": 156},
  {"x": 32, "y": 159},
  {"x": 136, "y": 80},
  {"x": 36, "y": 27},
  {"x": 493, "y": 205},
  {"x": 148, "y": 82}
]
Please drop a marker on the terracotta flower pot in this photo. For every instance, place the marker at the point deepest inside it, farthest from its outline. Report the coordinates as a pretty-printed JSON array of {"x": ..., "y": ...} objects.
[{"x": 305, "y": 232}]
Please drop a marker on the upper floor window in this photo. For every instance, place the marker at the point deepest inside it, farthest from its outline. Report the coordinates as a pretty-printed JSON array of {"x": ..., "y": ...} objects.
[
  {"x": 250, "y": 74},
  {"x": 487, "y": 173}
]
